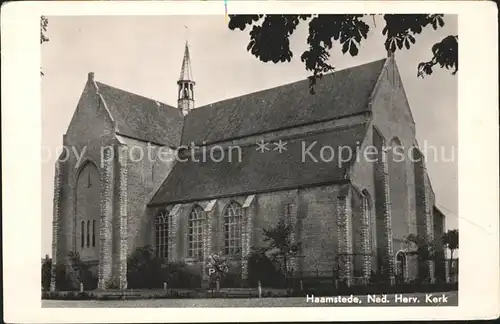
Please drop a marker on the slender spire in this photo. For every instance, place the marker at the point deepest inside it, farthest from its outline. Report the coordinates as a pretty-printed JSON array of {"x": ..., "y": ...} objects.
[
  {"x": 186, "y": 84},
  {"x": 186, "y": 73}
]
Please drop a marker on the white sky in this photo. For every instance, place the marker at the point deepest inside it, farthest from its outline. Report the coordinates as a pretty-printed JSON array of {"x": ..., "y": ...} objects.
[{"x": 144, "y": 54}]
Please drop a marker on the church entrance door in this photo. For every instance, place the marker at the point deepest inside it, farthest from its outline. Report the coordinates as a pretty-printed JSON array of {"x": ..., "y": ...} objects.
[{"x": 400, "y": 267}]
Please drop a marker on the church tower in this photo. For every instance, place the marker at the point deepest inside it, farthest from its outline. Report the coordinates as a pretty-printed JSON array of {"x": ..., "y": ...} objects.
[{"x": 185, "y": 98}]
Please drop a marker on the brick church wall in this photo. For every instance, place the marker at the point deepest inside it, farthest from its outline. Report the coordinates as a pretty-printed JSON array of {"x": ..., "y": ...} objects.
[
  {"x": 358, "y": 232},
  {"x": 314, "y": 220},
  {"x": 393, "y": 120},
  {"x": 123, "y": 190},
  {"x": 89, "y": 145},
  {"x": 144, "y": 175},
  {"x": 410, "y": 194}
]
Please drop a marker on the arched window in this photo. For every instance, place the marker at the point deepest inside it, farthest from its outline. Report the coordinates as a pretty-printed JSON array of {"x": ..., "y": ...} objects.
[
  {"x": 195, "y": 237},
  {"x": 93, "y": 232},
  {"x": 82, "y": 234},
  {"x": 400, "y": 267},
  {"x": 161, "y": 235},
  {"x": 232, "y": 229},
  {"x": 88, "y": 233}
]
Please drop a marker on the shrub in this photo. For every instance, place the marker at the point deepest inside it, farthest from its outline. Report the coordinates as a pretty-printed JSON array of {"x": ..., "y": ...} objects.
[
  {"x": 113, "y": 283},
  {"x": 261, "y": 268},
  {"x": 46, "y": 273},
  {"x": 81, "y": 272},
  {"x": 65, "y": 279},
  {"x": 144, "y": 269},
  {"x": 232, "y": 279},
  {"x": 181, "y": 275}
]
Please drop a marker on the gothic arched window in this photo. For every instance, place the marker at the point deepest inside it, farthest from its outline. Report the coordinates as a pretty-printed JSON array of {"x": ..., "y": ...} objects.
[
  {"x": 195, "y": 237},
  {"x": 161, "y": 235},
  {"x": 232, "y": 229}
]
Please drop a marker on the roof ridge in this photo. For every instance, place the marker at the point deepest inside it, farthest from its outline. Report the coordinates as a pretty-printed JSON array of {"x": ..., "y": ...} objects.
[
  {"x": 135, "y": 94},
  {"x": 287, "y": 84}
]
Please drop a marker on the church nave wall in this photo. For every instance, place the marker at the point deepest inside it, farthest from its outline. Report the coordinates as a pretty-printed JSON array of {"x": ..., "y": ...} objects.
[{"x": 312, "y": 211}]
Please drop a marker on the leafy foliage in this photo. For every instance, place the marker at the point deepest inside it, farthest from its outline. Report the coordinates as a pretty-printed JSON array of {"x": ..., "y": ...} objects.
[
  {"x": 219, "y": 264},
  {"x": 262, "y": 268},
  {"x": 445, "y": 53},
  {"x": 181, "y": 275},
  {"x": 280, "y": 245},
  {"x": 146, "y": 270},
  {"x": 44, "y": 22},
  {"x": 270, "y": 38},
  {"x": 46, "y": 272},
  {"x": 450, "y": 240},
  {"x": 425, "y": 251},
  {"x": 82, "y": 272},
  {"x": 63, "y": 281},
  {"x": 232, "y": 278},
  {"x": 425, "y": 248}
]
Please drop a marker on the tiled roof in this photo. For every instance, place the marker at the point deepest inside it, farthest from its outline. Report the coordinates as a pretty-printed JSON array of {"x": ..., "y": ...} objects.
[
  {"x": 261, "y": 171},
  {"x": 143, "y": 118},
  {"x": 338, "y": 94}
]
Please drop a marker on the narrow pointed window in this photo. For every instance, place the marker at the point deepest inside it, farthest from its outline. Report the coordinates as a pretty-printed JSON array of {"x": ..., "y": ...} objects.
[
  {"x": 195, "y": 235},
  {"x": 82, "y": 234},
  {"x": 89, "y": 180},
  {"x": 161, "y": 235},
  {"x": 88, "y": 233},
  {"x": 93, "y": 232},
  {"x": 232, "y": 229}
]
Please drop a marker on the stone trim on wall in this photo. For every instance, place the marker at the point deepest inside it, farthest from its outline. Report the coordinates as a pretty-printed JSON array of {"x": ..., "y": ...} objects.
[
  {"x": 344, "y": 235},
  {"x": 389, "y": 250},
  {"x": 55, "y": 222},
  {"x": 366, "y": 246},
  {"x": 207, "y": 239},
  {"x": 429, "y": 228},
  {"x": 293, "y": 236},
  {"x": 447, "y": 270},
  {"x": 246, "y": 234},
  {"x": 172, "y": 232},
  {"x": 105, "y": 261},
  {"x": 123, "y": 218}
]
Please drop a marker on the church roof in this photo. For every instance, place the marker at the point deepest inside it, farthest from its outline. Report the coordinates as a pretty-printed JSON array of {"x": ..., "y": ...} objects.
[
  {"x": 338, "y": 94},
  {"x": 143, "y": 118},
  {"x": 262, "y": 171}
]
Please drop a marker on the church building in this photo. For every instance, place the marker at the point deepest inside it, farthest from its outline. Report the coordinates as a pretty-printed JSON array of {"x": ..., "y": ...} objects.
[{"x": 342, "y": 166}]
